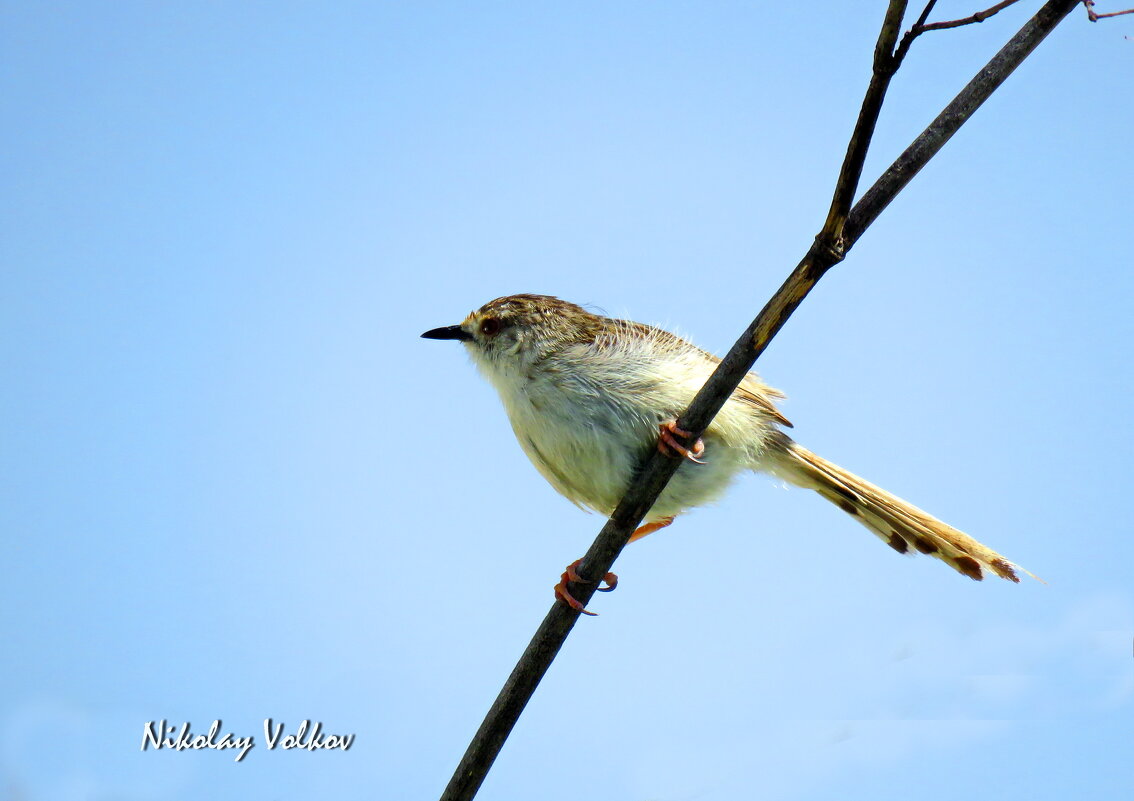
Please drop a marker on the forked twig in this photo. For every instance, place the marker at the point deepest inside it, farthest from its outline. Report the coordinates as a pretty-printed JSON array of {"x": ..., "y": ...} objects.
[
  {"x": 921, "y": 26},
  {"x": 1092, "y": 16}
]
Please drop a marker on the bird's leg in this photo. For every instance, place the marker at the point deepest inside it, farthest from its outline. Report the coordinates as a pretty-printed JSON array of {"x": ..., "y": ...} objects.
[
  {"x": 611, "y": 579},
  {"x": 649, "y": 528},
  {"x": 669, "y": 445},
  {"x": 570, "y": 575}
]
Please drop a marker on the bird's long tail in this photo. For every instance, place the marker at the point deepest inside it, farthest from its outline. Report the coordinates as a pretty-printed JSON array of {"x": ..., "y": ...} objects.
[{"x": 904, "y": 527}]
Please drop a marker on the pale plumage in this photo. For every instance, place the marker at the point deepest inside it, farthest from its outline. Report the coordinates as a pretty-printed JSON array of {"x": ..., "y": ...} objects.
[{"x": 586, "y": 394}]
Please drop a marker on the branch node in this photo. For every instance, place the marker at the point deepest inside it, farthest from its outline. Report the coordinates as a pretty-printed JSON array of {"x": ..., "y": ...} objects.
[
  {"x": 827, "y": 252},
  {"x": 1092, "y": 16}
]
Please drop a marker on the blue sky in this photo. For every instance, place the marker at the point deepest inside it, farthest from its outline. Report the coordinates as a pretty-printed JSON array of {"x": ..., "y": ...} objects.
[{"x": 237, "y": 485}]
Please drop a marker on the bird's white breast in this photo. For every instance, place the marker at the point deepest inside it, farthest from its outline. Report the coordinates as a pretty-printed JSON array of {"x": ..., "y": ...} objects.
[{"x": 587, "y": 432}]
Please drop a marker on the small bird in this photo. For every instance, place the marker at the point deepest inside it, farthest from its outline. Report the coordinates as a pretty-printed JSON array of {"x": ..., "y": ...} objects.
[{"x": 589, "y": 397}]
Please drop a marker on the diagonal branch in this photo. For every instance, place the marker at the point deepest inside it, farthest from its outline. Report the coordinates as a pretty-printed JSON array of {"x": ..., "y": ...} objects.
[{"x": 827, "y": 250}]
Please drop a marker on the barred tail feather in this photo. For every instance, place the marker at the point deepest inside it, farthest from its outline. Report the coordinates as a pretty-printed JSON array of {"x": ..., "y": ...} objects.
[{"x": 903, "y": 527}]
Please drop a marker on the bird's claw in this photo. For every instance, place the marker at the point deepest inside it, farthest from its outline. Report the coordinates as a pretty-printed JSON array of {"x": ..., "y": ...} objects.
[
  {"x": 669, "y": 445},
  {"x": 570, "y": 574}
]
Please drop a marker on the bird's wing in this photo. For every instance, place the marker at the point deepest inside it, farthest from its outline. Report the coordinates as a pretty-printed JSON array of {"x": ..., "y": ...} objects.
[{"x": 751, "y": 391}]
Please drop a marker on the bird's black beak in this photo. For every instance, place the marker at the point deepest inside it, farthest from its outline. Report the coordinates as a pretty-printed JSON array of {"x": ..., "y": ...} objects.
[{"x": 447, "y": 332}]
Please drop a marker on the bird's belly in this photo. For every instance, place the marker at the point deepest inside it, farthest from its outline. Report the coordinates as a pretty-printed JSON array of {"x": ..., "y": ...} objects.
[
  {"x": 587, "y": 462},
  {"x": 591, "y": 458}
]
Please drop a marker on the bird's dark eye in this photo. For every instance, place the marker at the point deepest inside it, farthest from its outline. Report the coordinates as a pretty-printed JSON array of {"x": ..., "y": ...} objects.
[{"x": 490, "y": 326}]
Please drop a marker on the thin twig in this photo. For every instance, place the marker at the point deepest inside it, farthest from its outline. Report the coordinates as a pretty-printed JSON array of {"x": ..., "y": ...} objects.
[
  {"x": 921, "y": 26},
  {"x": 979, "y": 16},
  {"x": 830, "y": 237},
  {"x": 1093, "y": 17},
  {"x": 822, "y": 255}
]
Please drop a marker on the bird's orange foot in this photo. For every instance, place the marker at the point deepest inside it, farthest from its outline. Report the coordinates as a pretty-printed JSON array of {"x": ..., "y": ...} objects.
[
  {"x": 649, "y": 528},
  {"x": 570, "y": 575},
  {"x": 669, "y": 445}
]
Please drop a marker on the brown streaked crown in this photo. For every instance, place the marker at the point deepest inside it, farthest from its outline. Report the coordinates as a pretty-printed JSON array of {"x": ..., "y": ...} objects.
[{"x": 563, "y": 320}]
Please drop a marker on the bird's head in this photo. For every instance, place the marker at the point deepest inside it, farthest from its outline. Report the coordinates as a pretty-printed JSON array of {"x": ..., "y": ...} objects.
[{"x": 516, "y": 331}]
